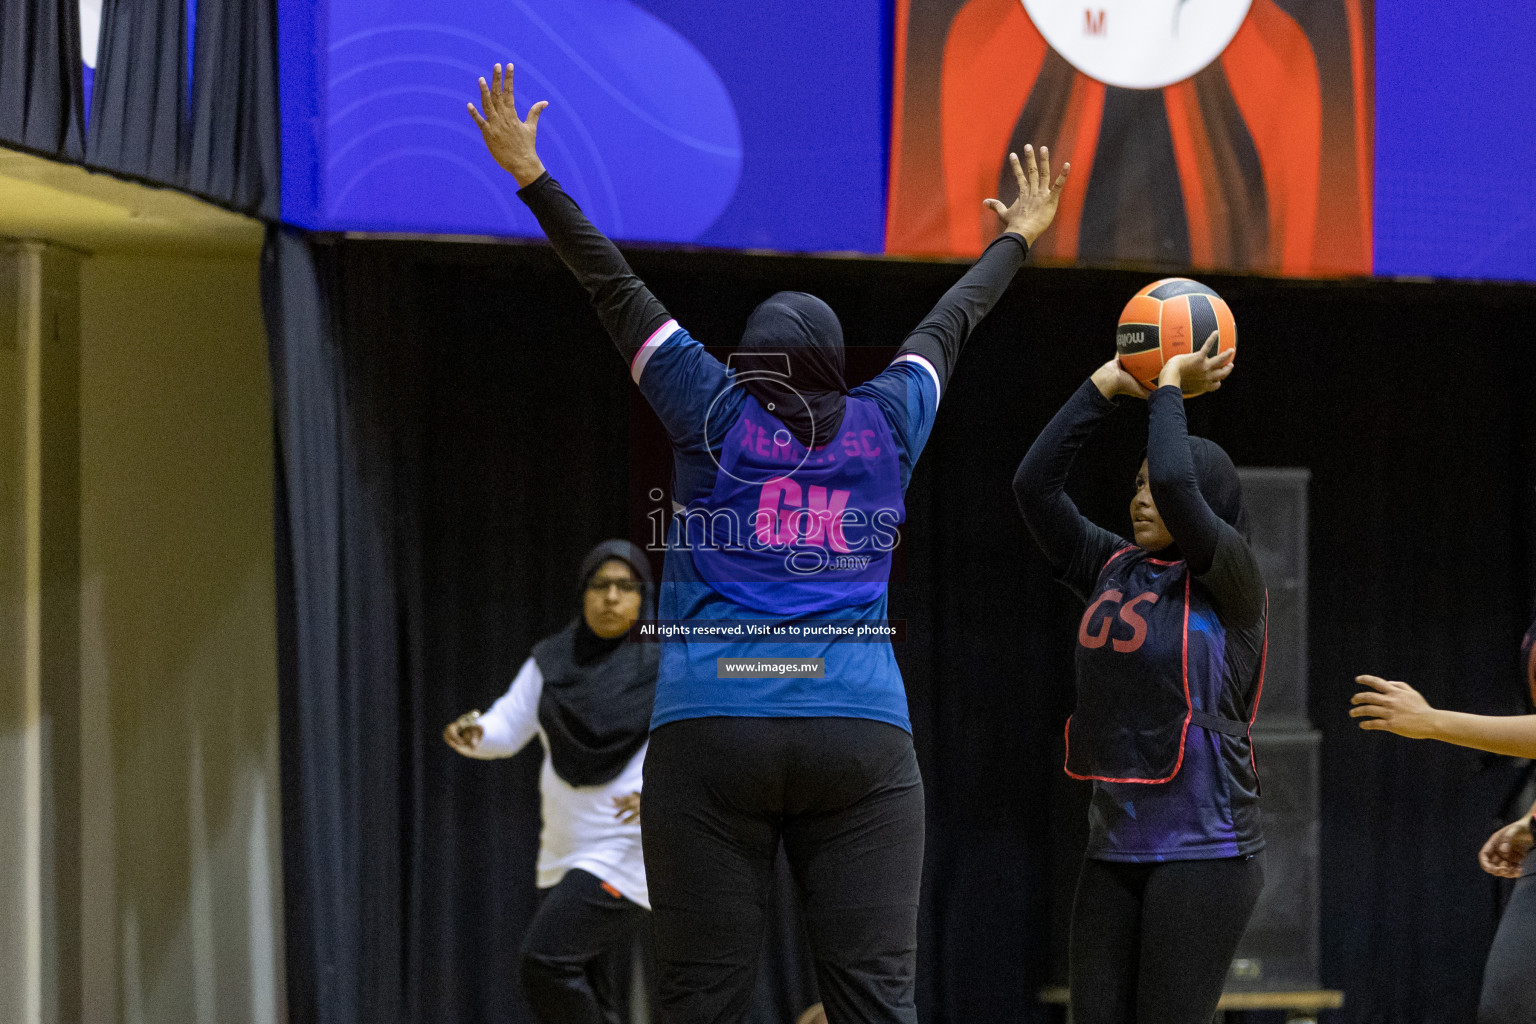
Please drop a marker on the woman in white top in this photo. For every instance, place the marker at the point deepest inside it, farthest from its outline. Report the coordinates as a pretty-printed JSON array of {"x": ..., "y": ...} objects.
[{"x": 586, "y": 692}]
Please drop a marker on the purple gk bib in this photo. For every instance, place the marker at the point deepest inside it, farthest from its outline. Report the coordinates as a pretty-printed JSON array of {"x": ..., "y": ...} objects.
[{"x": 793, "y": 531}]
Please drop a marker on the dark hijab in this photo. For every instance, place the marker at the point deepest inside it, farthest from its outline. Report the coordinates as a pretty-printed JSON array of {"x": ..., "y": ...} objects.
[
  {"x": 596, "y": 704},
  {"x": 810, "y": 400}
]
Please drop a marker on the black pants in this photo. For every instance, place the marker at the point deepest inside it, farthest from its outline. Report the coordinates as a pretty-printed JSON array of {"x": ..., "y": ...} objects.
[
  {"x": 845, "y": 798},
  {"x": 576, "y": 956},
  {"x": 1152, "y": 943},
  {"x": 1509, "y": 984}
]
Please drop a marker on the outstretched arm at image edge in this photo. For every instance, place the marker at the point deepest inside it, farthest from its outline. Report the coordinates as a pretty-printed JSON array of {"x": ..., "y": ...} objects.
[
  {"x": 1075, "y": 548},
  {"x": 1390, "y": 705},
  {"x": 1514, "y": 735}
]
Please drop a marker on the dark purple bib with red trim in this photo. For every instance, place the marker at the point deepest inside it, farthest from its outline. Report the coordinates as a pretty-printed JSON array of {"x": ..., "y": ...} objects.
[{"x": 1133, "y": 687}]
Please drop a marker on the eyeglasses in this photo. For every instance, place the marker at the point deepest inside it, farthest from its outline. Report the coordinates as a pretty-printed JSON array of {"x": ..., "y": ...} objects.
[{"x": 625, "y": 586}]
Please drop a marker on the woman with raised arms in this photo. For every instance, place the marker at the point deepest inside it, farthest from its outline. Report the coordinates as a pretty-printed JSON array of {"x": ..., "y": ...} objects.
[{"x": 794, "y": 483}]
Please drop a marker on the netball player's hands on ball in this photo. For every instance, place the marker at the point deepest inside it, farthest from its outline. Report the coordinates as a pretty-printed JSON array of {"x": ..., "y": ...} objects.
[
  {"x": 464, "y": 733},
  {"x": 1199, "y": 371},
  {"x": 1112, "y": 380},
  {"x": 1035, "y": 207},
  {"x": 1505, "y": 850},
  {"x": 628, "y": 808},
  {"x": 509, "y": 138}
]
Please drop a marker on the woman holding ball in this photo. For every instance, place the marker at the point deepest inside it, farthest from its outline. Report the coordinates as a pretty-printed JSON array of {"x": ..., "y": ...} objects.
[{"x": 1170, "y": 662}]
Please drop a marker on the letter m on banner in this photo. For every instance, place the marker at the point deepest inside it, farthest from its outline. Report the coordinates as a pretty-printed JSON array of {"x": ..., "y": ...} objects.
[{"x": 1093, "y": 22}]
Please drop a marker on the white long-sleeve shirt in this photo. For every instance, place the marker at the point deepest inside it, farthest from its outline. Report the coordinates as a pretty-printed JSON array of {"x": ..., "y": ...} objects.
[{"x": 579, "y": 830}]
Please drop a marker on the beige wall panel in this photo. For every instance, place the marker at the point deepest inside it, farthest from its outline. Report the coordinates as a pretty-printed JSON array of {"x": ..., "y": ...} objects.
[{"x": 182, "y": 877}]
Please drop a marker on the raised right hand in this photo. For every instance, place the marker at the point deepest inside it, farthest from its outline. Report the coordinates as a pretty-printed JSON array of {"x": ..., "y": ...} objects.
[
  {"x": 1035, "y": 207},
  {"x": 1505, "y": 850},
  {"x": 1200, "y": 371},
  {"x": 509, "y": 138},
  {"x": 464, "y": 733}
]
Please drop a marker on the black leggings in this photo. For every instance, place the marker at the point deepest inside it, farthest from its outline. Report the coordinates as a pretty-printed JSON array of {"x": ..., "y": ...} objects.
[
  {"x": 845, "y": 798},
  {"x": 576, "y": 956},
  {"x": 1152, "y": 943},
  {"x": 1509, "y": 985}
]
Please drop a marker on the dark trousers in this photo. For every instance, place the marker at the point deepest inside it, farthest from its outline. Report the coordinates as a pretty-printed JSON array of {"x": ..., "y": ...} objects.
[
  {"x": 845, "y": 798},
  {"x": 1152, "y": 943},
  {"x": 576, "y": 956},
  {"x": 1509, "y": 984}
]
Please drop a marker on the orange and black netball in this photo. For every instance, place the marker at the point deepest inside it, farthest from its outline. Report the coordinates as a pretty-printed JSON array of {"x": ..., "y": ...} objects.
[{"x": 1169, "y": 318}]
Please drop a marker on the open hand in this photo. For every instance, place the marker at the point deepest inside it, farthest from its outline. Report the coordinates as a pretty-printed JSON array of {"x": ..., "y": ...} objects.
[
  {"x": 509, "y": 138},
  {"x": 1505, "y": 850},
  {"x": 1111, "y": 379},
  {"x": 628, "y": 808},
  {"x": 1035, "y": 207},
  {"x": 1393, "y": 706},
  {"x": 1195, "y": 373},
  {"x": 464, "y": 733}
]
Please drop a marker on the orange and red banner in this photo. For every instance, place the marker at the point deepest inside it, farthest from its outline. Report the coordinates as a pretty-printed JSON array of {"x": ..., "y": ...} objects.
[{"x": 1219, "y": 134}]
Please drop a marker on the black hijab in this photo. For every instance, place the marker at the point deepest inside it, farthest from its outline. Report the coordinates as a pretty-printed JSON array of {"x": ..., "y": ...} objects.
[
  {"x": 596, "y": 704},
  {"x": 805, "y": 330}
]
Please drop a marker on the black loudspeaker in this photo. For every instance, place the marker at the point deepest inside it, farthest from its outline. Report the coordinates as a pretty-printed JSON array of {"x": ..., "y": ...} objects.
[
  {"x": 1280, "y": 949},
  {"x": 1277, "y": 521}
]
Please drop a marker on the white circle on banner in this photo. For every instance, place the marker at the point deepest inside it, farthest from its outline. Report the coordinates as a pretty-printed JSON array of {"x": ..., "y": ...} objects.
[{"x": 1138, "y": 44}]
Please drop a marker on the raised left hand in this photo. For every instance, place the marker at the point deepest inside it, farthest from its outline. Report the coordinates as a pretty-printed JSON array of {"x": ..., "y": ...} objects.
[
  {"x": 1393, "y": 706},
  {"x": 1195, "y": 373},
  {"x": 509, "y": 138}
]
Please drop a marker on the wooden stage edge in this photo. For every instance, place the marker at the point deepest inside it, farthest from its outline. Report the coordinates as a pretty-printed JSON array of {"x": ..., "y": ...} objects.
[{"x": 1308, "y": 999}]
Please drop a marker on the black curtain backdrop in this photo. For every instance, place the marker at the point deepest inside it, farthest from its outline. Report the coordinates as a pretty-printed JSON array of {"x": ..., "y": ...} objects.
[
  {"x": 219, "y": 139},
  {"x": 455, "y": 431},
  {"x": 41, "y": 105},
  {"x": 138, "y": 100},
  {"x": 234, "y": 139},
  {"x": 408, "y": 870}
]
